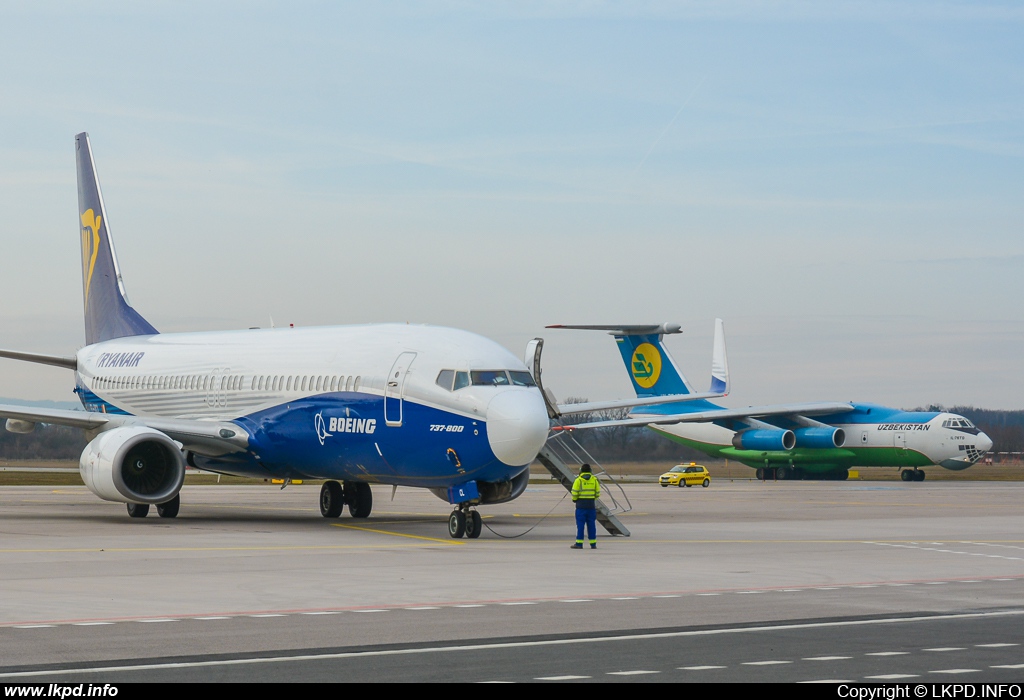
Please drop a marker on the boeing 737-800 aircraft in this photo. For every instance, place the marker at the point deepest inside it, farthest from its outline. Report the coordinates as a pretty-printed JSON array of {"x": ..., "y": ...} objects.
[
  {"x": 789, "y": 441},
  {"x": 405, "y": 405}
]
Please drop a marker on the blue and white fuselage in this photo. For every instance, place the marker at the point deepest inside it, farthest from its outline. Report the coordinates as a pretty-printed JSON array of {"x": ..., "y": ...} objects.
[
  {"x": 371, "y": 403},
  {"x": 398, "y": 404}
]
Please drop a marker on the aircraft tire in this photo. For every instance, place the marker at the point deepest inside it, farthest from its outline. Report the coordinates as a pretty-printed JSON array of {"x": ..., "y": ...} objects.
[
  {"x": 906, "y": 475},
  {"x": 918, "y": 475},
  {"x": 170, "y": 508},
  {"x": 456, "y": 524},
  {"x": 783, "y": 473},
  {"x": 332, "y": 499},
  {"x": 360, "y": 499},
  {"x": 474, "y": 524},
  {"x": 707, "y": 482},
  {"x": 759, "y": 474},
  {"x": 137, "y": 510}
]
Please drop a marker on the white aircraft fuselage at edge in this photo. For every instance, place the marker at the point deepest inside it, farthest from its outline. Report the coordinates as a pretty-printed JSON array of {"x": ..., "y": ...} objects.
[{"x": 399, "y": 404}]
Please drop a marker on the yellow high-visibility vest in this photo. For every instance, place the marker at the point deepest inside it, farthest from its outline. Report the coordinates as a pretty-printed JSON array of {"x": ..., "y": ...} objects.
[{"x": 587, "y": 489}]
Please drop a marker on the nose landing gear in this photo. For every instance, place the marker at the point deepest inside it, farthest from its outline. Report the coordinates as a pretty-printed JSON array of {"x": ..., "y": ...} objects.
[{"x": 464, "y": 522}]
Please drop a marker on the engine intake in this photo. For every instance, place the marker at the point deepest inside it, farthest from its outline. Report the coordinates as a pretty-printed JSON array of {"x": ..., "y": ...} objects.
[
  {"x": 133, "y": 464},
  {"x": 764, "y": 440},
  {"x": 820, "y": 438}
]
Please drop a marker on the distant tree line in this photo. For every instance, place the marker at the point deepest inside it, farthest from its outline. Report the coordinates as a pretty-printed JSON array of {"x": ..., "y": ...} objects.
[{"x": 45, "y": 442}]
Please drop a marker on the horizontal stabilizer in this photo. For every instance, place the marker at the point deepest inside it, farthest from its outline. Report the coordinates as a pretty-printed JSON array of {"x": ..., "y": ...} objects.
[
  {"x": 55, "y": 360},
  {"x": 661, "y": 329}
]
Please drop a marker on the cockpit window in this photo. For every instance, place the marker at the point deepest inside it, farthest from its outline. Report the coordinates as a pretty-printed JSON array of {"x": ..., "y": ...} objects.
[
  {"x": 445, "y": 378},
  {"x": 461, "y": 380},
  {"x": 489, "y": 377},
  {"x": 957, "y": 423},
  {"x": 521, "y": 378}
]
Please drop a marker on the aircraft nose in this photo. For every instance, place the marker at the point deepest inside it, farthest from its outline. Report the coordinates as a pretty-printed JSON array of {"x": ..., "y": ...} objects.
[
  {"x": 984, "y": 443},
  {"x": 517, "y": 426}
]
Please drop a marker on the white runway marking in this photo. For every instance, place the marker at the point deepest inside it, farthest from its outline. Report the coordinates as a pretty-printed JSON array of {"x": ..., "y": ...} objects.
[
  {"x": 764, "y": 663},
  {"x": 561, "y": 678},
  {"x": 630, "y": 673},
  {"x": 519, "y": 645},
  {"x": 699, "y": 668},
  {"x": 826, "y": 658},
  {"x": 958, "y": 670},
  {"x": 893, "y": 676}
]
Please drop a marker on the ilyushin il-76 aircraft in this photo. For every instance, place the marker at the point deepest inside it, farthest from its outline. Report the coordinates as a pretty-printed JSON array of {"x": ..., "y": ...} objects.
[
  {"x": 404, "y": 405},
  {"x": 789, "y": 441}
]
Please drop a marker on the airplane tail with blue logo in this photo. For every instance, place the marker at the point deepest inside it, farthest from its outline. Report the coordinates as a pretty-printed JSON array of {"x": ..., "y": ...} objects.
[
  {"x": 107, "y": 312},
  {"x": 652, "y": 369}
]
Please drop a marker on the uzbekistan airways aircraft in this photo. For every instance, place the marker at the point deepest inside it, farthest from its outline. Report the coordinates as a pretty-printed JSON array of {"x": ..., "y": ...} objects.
[
  {"x": 405, "y": 405},
  {"x": 790, "y": 441}
]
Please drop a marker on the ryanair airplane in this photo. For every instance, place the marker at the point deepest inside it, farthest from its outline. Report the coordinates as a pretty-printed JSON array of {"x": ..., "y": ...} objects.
[
  {"x": 405, "y": 405},
  {"x": 790, "y": 441}
]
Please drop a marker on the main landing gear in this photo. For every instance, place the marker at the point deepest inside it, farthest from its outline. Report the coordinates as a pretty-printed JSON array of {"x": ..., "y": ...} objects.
[
  {"x": 464, "y": 522},
  {"x": 335, "y": 496},
  {"x": 164, "y": 510},
  {"x": 912, "y": 475}
]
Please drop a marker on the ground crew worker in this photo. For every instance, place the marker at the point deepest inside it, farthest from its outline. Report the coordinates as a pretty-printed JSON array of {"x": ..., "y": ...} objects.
[{"x": 585, "y": 492}]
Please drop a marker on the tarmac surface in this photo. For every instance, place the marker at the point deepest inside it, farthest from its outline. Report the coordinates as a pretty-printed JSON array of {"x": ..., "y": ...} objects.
[{"x": 742, "y": 581}]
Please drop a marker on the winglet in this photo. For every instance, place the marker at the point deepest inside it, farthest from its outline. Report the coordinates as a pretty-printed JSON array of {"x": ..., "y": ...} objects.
[
  {"x": 107, "y": 312},
  {"x": 719, "y": 361}
]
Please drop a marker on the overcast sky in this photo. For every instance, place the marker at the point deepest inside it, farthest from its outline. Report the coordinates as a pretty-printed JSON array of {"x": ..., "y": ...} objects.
[{"x": 842, "y": 182}]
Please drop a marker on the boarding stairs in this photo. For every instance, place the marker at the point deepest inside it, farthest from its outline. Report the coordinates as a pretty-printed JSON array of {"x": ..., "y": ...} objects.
[{"x": 561, "y": 450}]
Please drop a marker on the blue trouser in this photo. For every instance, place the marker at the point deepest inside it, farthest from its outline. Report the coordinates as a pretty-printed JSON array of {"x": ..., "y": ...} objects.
[{"x": 588, "y": 517}]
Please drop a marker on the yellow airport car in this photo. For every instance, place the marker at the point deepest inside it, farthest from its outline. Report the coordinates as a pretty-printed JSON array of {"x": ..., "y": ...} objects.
[{"x": 686, "y": 475}]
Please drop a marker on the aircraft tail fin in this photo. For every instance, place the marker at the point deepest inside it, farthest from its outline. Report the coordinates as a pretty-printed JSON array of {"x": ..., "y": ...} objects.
[
  {"x": 107, "y": 312},
  {"x": 651, "y": 368}
]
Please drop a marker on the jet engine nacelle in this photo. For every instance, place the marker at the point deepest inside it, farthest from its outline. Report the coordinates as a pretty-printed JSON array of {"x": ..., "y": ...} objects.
[
  {"x": 764, "y": 440},
  {"x": 820, "y": 438},
  {"x": 133, "y": 464}
]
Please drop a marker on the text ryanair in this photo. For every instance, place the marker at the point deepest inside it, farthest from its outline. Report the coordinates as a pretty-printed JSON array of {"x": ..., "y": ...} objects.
[{"x": 120, "y": 359}]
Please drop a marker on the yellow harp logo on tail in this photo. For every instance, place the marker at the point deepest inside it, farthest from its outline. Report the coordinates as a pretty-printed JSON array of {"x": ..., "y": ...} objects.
[
  {"x": 646, "y": 365},
  {"x": 90, "y": 246}
]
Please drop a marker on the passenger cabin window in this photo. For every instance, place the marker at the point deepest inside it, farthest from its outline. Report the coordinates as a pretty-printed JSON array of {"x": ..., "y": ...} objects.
[{"x": 445, "y": 379}]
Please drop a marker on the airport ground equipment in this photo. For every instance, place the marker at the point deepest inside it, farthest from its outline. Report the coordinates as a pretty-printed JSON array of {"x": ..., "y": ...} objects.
[{"x": 563, "y": 449}]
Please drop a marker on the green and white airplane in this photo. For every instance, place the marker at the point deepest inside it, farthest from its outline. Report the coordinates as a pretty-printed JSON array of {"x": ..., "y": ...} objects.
[{"x": 787, "y": 441}]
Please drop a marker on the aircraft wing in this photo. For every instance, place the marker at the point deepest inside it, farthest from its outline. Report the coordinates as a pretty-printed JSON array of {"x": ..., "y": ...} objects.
[
  {"x": 210, "y": 438},
  {"x": 793, "y": 409},
  {"x": 39, "y": 358},
  {"x": 569, "y": 408}
]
